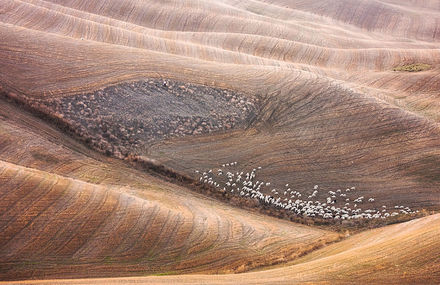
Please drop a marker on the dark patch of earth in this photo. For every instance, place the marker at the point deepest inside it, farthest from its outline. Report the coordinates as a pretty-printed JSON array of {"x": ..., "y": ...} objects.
[{"x": 128, "y": 117}]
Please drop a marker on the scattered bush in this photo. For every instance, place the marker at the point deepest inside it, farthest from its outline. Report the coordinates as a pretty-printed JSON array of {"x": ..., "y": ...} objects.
[{"x": 414, "y": 67}]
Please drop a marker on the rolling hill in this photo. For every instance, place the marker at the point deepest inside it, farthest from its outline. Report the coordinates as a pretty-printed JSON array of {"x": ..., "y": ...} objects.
[
  {"x": 326, "y": 84},
  {"x": 112, "y": 112},
  {"x": 392, "y": 255},
  {"x": 75, "y": 213}
]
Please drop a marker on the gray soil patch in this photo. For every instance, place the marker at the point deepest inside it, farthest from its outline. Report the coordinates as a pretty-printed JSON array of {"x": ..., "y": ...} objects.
[{"x": 129, "y": 117}]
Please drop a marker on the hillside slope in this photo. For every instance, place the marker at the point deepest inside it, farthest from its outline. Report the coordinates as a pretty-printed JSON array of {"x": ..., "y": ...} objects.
[
  {"x": 335, "y": 100},
  {"x": 333, "y": 112},
  {"x": 53, "y": 224},
  {"x": 399, "y": 254}
]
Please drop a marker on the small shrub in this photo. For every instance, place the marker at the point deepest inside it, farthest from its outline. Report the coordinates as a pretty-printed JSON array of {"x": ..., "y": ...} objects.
[{"x": 414, "y": 67}]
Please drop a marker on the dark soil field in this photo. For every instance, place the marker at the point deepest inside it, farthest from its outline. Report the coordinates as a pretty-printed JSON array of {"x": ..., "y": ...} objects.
[{"x": 127, "y": 118}]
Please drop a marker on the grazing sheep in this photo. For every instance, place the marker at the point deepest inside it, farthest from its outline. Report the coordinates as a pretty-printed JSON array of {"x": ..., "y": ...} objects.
[{"x": 309, "y": 207}]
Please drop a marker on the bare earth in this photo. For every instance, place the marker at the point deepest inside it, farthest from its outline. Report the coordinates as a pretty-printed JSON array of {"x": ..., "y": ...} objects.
[
  {"x": 325, "y": 94},
  {"x": 367, "y": 258}
]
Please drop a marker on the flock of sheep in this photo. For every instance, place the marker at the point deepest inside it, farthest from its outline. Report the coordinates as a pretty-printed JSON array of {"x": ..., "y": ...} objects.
[{"x": 245, "y": 184}]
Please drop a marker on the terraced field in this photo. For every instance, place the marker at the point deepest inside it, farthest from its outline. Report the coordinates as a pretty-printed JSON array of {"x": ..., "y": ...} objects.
[{"x": 108, "y": 109}]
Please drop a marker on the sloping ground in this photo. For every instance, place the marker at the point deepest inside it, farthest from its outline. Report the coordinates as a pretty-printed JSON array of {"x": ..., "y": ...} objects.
[
  {"x": 131, "y": 224},
  {"x": 406, "y": 253},
  {"x": 334, "y": 112},
  {"x": 358, "y": 43},
  {"x": 329, "y": 140}
]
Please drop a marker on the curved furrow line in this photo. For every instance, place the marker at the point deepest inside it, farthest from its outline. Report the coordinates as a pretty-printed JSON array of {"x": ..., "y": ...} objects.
[
  {"x": 45, "y": 221},
  {"x": 336, "y": 108},
  {"x": 373, "y": 16},
  {"x": 55, "y": 232},
  {"x": 17, "y": 224},
  {"x": 97, "y": 222},
  {"x": 89, "y": 225},
  {"x": 197, "y": 241},
  {"x": 16, "y": 179},
  {"x": 279, "y": 55},
  {"x": 161, "y": 235},
  {"x": 40, "y": 227},
  {"x": 117, "y": 36},
  {"x": 18, "y": 243},
  {"x": 135, "y": 232},
  {"x": 148, "y": 220},
  {"x": 163, "y": 55},
  {"x": 100, "y": 241},
  {"x": 118, "y": 22},
  {"x": 408, "y": 257}
]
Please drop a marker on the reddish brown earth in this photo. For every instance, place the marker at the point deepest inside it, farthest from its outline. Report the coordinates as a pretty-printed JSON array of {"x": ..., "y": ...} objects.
[
  {"x": 399, "y": 254},
  {"x": 330, "y": 104},
  {"x": 68, "y": 211}
]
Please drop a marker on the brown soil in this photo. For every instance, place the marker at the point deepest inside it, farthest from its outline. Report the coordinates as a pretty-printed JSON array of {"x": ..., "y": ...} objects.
[
  {"x": 330, "y": 111},
  {"x": 68, "y": 211}
]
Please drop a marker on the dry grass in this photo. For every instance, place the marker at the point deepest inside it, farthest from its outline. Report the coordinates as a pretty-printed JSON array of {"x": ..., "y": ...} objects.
[{"x": 415, "y": 67}]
